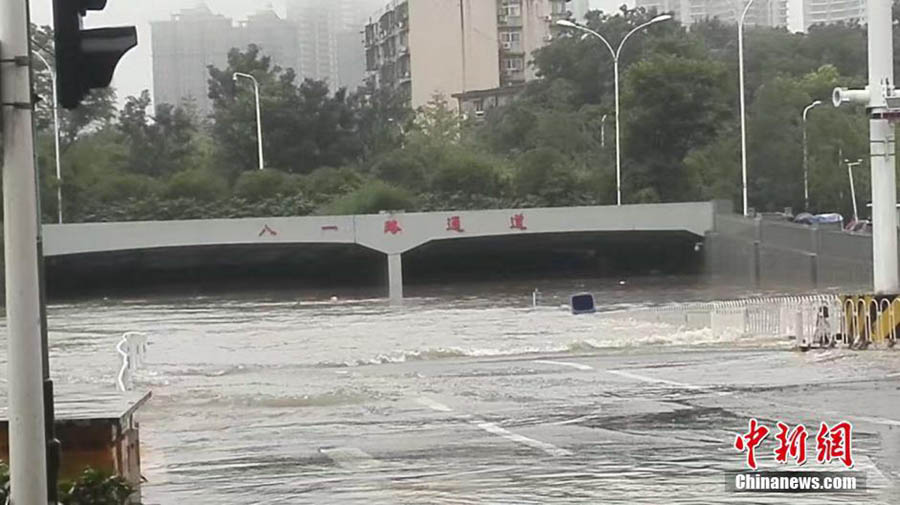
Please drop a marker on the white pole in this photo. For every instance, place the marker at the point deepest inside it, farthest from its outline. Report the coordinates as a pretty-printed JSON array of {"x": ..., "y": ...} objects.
[
  {"x": 259, "y": 138},
  {"x": 27, "y": 449},
  {"x": 262, "y": 163},
  {"x": 743, "y": 105},
  {"x": 615, "y": 55},
  {"x": 881, "y": 135},
  {"x": 603, "y": 131},
  {"x": 618, "y": 136},
  {"x": 850, "y": 165},
  {"x": 806, "y": 157},
  {"x": 59, "y": 201}
]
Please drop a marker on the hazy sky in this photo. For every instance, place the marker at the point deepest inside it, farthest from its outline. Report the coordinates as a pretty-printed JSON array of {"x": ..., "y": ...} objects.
[{"x": 135, "y": 72}]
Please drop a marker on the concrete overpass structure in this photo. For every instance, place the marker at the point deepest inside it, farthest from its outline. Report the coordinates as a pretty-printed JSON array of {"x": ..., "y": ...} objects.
[{"x": 392, "y": 234}]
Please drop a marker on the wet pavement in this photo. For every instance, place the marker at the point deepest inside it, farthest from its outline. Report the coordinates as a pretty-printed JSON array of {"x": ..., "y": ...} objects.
[
  {"x": 462, "y": 398},
  {"x": 633, "y": 426}
]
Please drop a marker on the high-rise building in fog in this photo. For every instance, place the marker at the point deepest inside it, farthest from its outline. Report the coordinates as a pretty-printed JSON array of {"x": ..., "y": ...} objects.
[
  {"x": 797, "y": 15},
  {"x": 805, "y": 13},
  {"x": 331, "y": 40},
  {"x": 771, "y": 13},
  {"x": 185, "y": 45},
  {"x": 580, "y": 8}
]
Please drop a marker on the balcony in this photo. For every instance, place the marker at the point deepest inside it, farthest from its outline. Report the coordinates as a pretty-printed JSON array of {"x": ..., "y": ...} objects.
[
  {"x": 509, "y": 21},
  {"x": 511, "y": 47}
]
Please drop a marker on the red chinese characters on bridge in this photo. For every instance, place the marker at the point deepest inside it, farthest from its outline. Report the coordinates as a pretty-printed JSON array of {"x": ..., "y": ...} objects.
[
  {"x": 517, "y": 222},
  {"x": 791, "y": 442},
  {"x": 750, "y": 441},
  {"x": 267, "y": 230},
  {"x": 832, "y": 444},
  {"x": 454, "y": 224},
  {"x": 392, "y": 226}
]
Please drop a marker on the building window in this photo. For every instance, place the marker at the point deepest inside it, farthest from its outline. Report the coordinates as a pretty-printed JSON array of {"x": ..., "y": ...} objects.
[
  {"x": 512, "y": 9},
  {"x": 513, "y": 64}
]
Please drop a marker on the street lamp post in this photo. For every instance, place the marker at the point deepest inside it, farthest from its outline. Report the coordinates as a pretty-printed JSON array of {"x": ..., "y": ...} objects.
[
  {"x": 743, "y": 106},
  {"x": 615, "y": 55},
  {"x": 603, "y": 131},
  {"x": 850, "y": 165},
  {"x": 59, "y": 202},
  {"x": 259, "y": 137},
  {"x": 806, "y": 156}
]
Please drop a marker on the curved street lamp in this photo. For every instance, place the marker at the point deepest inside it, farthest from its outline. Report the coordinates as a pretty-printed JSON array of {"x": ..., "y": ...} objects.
[
  {"x": 55, "y": 135},
  {"x": 615, "y": 55},
  {"x": 743, "y": 106},
  {"x": 806, "y": 156},
  {"x": 259, "y": 138}
]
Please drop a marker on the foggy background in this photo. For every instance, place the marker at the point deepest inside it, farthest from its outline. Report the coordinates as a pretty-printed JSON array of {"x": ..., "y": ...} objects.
[{"x": 134, "y": 73}]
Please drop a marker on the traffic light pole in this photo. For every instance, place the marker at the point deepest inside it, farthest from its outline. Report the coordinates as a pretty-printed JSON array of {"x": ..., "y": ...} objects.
[
  {"x": 28, "y": 458},
  {"x": 882, "y": 145}
]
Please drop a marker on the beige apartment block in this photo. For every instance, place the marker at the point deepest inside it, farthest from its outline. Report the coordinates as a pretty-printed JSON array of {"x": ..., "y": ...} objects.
[{"x": 455, "y": 47}]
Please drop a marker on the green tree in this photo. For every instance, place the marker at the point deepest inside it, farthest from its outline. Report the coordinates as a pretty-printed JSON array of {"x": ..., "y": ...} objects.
[
  {"x": 158, "y": 145},
  {"x": 672, "y": 104},
  {"x": 304, "y": 127}
]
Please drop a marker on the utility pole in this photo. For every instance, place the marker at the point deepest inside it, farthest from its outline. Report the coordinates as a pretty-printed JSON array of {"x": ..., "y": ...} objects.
[
  {"x": 806, "y": 156},
  {"x": 883, "y": 106},
  {"x": 27, "y": 449},
  {"x": 882, "y": 145},
  {"x": 259, "y": 139}
]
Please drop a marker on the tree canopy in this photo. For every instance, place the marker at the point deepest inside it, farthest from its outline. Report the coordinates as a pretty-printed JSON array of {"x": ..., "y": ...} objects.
[{"x": 333, "y": 150}]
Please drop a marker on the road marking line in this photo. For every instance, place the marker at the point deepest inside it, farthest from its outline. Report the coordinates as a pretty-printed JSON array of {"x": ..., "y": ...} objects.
[
  {"x": 578, "y": 366},
  {"x": 350, "y": 457},
  {"x": 873, "y": 420},
  {"x": 515, "y": 437},
  {"x": 866, "y": 464},
  {"x": 575, "y": 420},
  {"x": 643, "y": 378},
  {"x": 433, "y": 405},
  {"x": 496, "y": 430}
]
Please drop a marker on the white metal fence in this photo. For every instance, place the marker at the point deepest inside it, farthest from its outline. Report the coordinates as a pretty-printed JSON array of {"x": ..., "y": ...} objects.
[{"x": 806, "y": 317}]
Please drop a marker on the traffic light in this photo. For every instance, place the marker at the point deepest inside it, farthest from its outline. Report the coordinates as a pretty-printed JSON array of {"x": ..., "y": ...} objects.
[{"x": 85, "y": 59}]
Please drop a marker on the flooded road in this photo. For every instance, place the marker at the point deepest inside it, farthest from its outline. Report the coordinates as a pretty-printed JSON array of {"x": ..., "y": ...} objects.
[{"x": 465, "y": 395}]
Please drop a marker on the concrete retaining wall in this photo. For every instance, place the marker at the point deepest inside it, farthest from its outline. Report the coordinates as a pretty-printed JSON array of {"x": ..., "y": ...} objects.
[{"x": 773, "y": 254}]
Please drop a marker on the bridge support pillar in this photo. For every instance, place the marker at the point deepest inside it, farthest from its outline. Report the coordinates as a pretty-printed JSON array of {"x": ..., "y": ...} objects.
[{"x": 395, "y": 277}]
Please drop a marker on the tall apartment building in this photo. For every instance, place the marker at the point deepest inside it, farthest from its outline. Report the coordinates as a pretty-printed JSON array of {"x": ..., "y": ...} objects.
[
  {"x": 182, "y": 49},
  {"x": 580, "y": 8},
  {"x": 330, "y": 36},
  {"x": 806, "y": 13},
  {"x": 430, "y": 47},
  {"x": 195, "y": 38},
  {"x": 688, "y": 12},
  {"x": 797, "y": 15}
]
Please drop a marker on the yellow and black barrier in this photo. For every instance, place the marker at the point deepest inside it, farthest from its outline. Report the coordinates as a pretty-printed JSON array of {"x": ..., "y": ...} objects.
[{"x": 870, "y": 319}]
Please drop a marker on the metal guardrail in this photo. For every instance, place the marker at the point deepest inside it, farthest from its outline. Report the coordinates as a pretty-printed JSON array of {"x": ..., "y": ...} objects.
[{"x": 808, "y": 318}]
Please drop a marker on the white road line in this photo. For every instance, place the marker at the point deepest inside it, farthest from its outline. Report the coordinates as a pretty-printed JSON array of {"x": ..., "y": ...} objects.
[
  {"x": 351, "y": 458},
  {"x": 515, "y": 437},
  {"x": 496, "y": 430},
  {"x": 866, "y": 464},
  {"x": 643, "y": 378},
  {"x": 577, "y": 366},
  {"x": 878, "y": 420},
  {"x": 575, "y": 420},
  {"x": 433, "y": 405}
]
